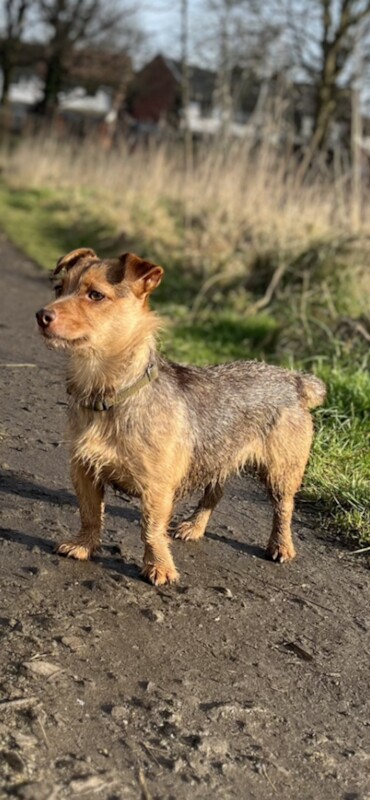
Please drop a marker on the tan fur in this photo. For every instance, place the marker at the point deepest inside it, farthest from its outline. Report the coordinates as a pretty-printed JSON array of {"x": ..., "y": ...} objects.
[{"x": 156, "y": 444}]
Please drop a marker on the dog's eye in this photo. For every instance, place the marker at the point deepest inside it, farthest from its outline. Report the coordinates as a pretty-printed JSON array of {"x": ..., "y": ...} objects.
[
  {"x": 94, "y": 295},
  {"x": 58, "y": 290}
]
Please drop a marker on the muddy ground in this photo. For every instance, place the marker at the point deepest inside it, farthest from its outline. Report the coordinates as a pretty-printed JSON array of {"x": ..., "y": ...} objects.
[{"x": 247, "y": 680}]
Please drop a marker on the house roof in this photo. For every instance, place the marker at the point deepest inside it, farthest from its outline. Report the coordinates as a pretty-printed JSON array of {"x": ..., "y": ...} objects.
[{"x": 202, "y": 81}]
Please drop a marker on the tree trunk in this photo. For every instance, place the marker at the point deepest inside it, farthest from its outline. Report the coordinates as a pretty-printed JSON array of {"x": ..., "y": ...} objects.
[
  {"x": 325, "y": 114},
  {"x": 53, "y": 85},
  {"x": 8, "y": 55},
  {"x": 7, "y": 72}
]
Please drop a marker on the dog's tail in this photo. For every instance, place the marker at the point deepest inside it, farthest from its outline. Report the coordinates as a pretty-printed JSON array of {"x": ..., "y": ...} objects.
[{"x": 312, "y": 390}]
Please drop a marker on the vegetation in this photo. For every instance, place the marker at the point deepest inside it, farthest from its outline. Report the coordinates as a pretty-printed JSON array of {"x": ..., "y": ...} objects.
[
  {"x": 77, "y": 40},
  {"x": 257, "y": 266}
]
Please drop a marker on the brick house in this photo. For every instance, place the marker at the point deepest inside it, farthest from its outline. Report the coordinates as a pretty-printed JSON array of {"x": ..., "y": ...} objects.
[
  {"x": 155, "y": 101},
  {"x": 155, "y": 93}
]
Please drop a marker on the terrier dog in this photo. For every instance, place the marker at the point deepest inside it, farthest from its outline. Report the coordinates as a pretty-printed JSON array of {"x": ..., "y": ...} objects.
[{"x": 159, "y": 430}]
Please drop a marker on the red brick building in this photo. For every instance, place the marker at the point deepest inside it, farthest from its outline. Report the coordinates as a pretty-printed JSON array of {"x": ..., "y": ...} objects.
[{"x": 155, "y": 93}]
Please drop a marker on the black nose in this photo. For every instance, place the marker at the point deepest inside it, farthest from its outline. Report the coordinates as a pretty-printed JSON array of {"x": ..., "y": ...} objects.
[{"x": 44, "y": 317}]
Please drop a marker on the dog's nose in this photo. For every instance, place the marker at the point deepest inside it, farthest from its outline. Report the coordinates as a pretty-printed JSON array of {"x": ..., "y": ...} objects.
[{"x": 45, "y": 317}]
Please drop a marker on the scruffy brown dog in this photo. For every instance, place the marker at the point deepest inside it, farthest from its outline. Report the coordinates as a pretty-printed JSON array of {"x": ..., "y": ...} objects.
[{"x": 159, "y": 430}]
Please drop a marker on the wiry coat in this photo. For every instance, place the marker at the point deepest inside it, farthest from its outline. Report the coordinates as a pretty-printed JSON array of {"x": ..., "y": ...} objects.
[{"x": 189, "y": 429}]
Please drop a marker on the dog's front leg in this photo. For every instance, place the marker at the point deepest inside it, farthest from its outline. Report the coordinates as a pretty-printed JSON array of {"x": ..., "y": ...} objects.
[
  {"x": 90, "y": 495},
  {"x": 158, "y": 567}
]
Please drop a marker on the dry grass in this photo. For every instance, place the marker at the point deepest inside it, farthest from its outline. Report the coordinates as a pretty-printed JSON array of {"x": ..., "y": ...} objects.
[
  {"x": 235, "y": 201},
  {"x": 239, "y": 211}
]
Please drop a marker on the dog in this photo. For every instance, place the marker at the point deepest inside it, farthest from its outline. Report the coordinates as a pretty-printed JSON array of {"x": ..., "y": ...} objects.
[{"x": 159, "y": 430}]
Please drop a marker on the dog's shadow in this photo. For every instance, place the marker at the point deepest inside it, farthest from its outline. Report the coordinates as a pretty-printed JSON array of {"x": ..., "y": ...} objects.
[
  {"x": 22, "y": 486},
  {"x": 242, "y": 547},
  {"x": 119, "y": 567},
  {"x": 18, "y": 485},
  {"x": 27, "y": 540}
]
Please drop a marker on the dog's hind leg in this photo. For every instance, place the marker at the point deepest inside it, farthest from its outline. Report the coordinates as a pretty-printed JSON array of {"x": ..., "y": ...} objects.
[
  {"x": 287, "y": 451},
  {"x": 193, "y": 528},
  {"x": 90, "y": 495},
  {"x": 280, "y": 546}
]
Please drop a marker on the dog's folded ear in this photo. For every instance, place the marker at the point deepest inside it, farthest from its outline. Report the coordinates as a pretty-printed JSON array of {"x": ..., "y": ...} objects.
[
  {"x": 143, "y": 276},
  {"x": 70, "y": 260}
]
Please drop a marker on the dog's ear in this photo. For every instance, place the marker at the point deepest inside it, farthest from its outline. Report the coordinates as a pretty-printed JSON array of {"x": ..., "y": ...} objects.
[
  {"x": 69, "y": 261},
  {"x": 143, "y": 276}
]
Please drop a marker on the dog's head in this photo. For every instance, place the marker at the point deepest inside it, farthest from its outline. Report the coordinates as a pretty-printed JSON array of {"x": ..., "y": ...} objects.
[{"x": 97, "y": 302}]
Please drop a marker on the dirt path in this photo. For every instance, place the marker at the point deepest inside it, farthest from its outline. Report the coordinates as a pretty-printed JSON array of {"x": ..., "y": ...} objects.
[{"x": 248, "y": 680}]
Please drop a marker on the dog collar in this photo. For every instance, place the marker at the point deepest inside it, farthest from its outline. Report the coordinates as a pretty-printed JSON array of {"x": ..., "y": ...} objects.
[{"x": 151, "y": 373}]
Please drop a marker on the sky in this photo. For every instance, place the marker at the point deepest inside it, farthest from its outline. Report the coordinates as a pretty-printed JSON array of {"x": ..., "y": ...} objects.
[{"x": 161, "y": 20}]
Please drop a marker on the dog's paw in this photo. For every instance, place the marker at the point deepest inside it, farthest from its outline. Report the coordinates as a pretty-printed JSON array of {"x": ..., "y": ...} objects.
[
  {"x": 159, "y": 574},
  {"x": 74, "y": 550},
  {"x": 188, "y": 531},
  {"x": 280, "y": 552}
]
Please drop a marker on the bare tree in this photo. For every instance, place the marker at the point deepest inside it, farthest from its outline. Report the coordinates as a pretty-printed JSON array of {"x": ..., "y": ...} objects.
[
  {"x": 310, "y": 40},
  {"x": 242, "y": 44},
  {"x": 72, "y": 24},
  {"x": 14, "y": 18},
  {"x": 324, "y": 36}
]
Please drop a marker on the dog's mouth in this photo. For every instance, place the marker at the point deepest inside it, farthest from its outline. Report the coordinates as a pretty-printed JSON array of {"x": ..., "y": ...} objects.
[{"x": 54, "y": 340}]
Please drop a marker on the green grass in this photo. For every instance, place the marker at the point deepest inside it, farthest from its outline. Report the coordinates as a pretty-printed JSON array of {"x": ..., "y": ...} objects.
[
  {"x": 45, "y": 224},
  {"x": 338, "y": 476},
  {"x": 221, "y": 336}
]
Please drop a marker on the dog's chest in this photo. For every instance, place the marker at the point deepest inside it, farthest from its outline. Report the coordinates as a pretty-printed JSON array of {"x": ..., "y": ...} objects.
[{"x": 104, "y": 448}]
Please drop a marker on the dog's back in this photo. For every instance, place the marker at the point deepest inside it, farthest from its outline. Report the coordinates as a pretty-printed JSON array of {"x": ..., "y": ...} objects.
[{"x": 232, "y": 411}]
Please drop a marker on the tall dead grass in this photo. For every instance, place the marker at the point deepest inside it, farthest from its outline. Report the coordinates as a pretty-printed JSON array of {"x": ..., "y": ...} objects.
[{"x": 237, "y": 205}]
